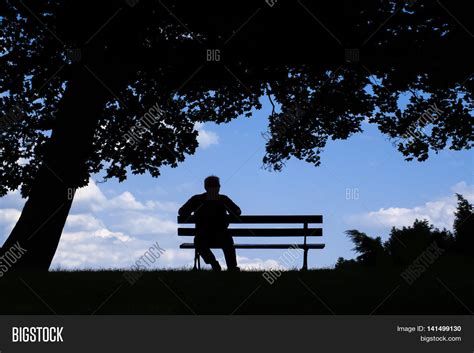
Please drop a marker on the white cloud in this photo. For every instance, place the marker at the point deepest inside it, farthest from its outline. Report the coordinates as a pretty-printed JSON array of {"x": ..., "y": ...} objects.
[
  {"x": 140, "y": 224},
  {"x": 8, "y": 219},
  {"x": 246, "y": 263},
  {"x": 439, "y": 212},
  {"x": 206, "y": 138},
  {"x": 116, "y": 231},
  {"x": 9, "y": 215},
  {"x": 172, "y": 256},
  {"x": 103, "y": 232},
  {"x": 125, "y": 201},
  {"x": 91, "y": 198},
  {"x": 464, "y": 189},
  {"x": 85, "y": 221}
]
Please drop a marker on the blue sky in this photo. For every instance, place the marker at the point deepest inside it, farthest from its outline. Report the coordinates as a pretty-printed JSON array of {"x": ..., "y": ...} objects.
[{"x": 112, "y": 224}]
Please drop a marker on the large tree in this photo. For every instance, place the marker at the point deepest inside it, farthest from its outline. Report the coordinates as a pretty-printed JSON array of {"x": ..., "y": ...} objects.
[{"x": 78, "y": 77}]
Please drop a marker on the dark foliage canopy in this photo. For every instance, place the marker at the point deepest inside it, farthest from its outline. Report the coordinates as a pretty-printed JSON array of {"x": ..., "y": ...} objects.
[{"x": 299, "y": 55}]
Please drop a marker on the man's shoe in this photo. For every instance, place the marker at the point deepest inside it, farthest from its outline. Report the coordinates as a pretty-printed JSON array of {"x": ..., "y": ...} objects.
[
  {"x": 216, "y": 266},
  {"x": 234, "y": 269}
]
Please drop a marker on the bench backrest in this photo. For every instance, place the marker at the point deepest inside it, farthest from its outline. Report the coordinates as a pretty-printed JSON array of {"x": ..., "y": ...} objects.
[{"x": 305, "y": 220}]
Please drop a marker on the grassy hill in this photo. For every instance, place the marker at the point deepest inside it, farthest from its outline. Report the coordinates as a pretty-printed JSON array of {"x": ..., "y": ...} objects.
[{"x": 443, "y": 289}]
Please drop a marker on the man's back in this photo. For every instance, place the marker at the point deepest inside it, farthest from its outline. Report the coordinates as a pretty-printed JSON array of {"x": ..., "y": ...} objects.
[{"x": 210, "y": 212}]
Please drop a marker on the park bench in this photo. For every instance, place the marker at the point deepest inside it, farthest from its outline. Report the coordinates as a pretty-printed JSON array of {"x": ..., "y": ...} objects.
[{"x": 304, "y": 232}]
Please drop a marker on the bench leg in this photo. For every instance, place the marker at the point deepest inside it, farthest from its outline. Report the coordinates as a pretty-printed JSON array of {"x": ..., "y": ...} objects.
[
  {"x": 305, "y": 251},
  {"x": 197, "y": 261},
  {"x": 305, "y": 260}
]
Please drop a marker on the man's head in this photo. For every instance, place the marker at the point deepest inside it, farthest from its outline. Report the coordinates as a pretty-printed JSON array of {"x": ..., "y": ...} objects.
[{"x": 212, "y": 184}]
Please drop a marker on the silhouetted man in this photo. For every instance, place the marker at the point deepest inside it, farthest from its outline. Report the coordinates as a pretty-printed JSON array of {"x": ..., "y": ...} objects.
[{"x": 211, "y": 210}]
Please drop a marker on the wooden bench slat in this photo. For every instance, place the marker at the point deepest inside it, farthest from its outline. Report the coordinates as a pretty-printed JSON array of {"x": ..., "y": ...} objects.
[
  {"x": 262, "y": 246},
  {"x": 263, "y": 232},
  {"x": 263, "y": 219}
]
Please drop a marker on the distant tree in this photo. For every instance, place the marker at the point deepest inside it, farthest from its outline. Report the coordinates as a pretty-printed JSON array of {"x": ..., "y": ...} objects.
[
  {"x": 464, "y": 226},
  {"x": 407, "y": 243},
  {"x": 77, "y": 77},
  {"x": 371, "y": 250},
  {"x": 401, "y": 248},
  {"x": 342, "y": 263}
]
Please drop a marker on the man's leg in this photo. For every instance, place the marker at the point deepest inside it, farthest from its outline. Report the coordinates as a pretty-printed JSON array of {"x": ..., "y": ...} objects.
[
  {"x": 202, "y": 245},
  {"x": 227, "y": 244}
]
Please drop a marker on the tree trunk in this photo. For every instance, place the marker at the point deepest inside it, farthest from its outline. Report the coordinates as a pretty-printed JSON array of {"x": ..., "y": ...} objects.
[{"x": 63, "y": 168}]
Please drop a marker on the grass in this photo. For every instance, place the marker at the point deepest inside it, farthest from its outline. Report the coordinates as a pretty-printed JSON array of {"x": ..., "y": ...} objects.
[{"x": 446, "y": 288}]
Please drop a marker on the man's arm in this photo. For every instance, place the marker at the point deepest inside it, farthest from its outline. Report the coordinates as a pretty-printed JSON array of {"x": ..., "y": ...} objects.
[
  {"x": 233, "y": 209},
  {"x": 189, "y": 207}
]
